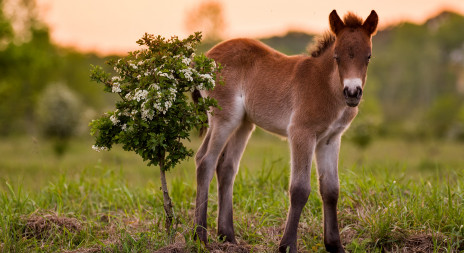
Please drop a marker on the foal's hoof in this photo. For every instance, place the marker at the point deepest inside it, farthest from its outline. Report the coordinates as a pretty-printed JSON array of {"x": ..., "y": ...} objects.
[
  {"x": 225, "y": 238},
  {"x": 287, "y": 249},
  {"x": 334, "y": 249},
  {"x": 200, "y": 234},
  {"x": 226, "y": 235}
]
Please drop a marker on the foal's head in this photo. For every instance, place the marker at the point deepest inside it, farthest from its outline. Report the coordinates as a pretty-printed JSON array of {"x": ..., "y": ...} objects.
[{"x": 352, "y": 52}]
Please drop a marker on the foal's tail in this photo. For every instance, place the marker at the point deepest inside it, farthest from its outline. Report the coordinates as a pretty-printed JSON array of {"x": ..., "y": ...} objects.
[{"x": 196, "y": 95}]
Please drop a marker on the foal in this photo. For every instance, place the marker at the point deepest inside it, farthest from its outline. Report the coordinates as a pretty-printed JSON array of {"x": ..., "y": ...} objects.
[{"x": 309, "y": 100}]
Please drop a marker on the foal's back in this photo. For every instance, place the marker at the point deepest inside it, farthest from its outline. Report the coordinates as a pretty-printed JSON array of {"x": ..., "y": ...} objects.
[{"x": 258, "y": 83}]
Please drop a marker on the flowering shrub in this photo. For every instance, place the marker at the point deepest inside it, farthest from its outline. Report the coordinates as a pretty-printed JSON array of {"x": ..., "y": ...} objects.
[
  {"x": 58, "y": 112},
  {"x": 154, "y": 114}
]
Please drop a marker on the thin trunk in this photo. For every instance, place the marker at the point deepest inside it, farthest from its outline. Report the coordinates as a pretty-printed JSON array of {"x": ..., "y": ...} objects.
[{"x": 166, "y": 199}]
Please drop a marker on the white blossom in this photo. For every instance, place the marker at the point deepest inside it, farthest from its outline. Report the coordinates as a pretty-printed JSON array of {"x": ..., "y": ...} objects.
[
  {"x": 116, "y": 88},
  {"x": 169, "y": 76},
  {"x": 187, "y": 73},
  {"x": 200, "y": 87},
  {"x": 133, "y": 66},
  {"x": 140, "y": 95},
  {"x": 158, "y": 107},
  {"x": 98, "y": 149},
  {"x": 116, "y": 79},
  {"x": 124, "y": 127},
  {"x": 154, "y": 86},
  {"x": 114, "y": 119},
  {"x": 186, "y": 61},
  {"x": 138, "y": 77},
  {"x": 167, "y": 105},
  {"x": 147, "y": 114},
  {"x": 208, "y": 78},
  {"x": 173, "y": 91},
  {"x": 126, "y": 112}
]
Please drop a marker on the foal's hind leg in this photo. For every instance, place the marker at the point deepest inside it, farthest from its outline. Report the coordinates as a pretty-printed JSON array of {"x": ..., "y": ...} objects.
[
  {"x": 203, "y": 147},
  {"x": 226, "y": 170},
  {"x": 219, "y": 132}
]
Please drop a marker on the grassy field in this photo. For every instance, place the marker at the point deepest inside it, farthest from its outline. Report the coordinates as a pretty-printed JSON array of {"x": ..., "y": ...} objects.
[{"x": 395, "y": 196}]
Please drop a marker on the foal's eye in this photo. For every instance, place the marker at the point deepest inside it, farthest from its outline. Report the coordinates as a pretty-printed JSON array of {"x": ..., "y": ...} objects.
[
  {"x": 368, "y": 58},
  {"x": 337, "y": 58}
]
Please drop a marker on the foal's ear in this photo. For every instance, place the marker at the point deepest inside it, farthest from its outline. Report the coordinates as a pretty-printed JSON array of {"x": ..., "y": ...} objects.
[
  {"x": 370, "y": 24},
  {"x": 336, "y": 24}
]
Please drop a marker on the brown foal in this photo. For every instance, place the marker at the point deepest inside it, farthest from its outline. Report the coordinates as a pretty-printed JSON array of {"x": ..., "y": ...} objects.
[{"x": 311, "y": 100}]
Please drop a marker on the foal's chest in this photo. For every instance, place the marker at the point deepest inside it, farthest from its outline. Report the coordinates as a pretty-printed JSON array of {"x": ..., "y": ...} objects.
[{"x": 337, "y": 126}]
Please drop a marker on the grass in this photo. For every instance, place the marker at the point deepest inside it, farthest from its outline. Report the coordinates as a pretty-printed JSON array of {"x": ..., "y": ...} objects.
[{"x": 395, "y": 197}]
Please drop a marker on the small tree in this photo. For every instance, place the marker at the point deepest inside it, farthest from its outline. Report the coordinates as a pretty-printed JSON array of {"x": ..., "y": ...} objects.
[{"x": 154, "y": 114}]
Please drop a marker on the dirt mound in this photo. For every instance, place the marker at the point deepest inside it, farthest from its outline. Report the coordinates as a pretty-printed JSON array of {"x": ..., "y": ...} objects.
[
  {"x": 419, "y": 243},
  {"x": 211, "y": 247},
  {"x": 44, "y": 226}
]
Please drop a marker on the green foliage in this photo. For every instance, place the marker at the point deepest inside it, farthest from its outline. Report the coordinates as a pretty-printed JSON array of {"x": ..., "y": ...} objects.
[
  {"x": 26, "y": 66},
  {"x": 154, "y": 114},
  {"x": 292, "y": 43},
  {"x": 443, "y": 116},
  {"x": 29, "y": 62},
  {"x": 415, "y": 66},
  {"x": 366, "y": 125}
]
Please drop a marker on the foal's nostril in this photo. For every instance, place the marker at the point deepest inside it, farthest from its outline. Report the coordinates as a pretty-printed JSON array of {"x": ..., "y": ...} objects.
[
  {"x": 359, "y": 92},
  {"x": 346, "y": 93},
  {"x": 352, "y": 93}
]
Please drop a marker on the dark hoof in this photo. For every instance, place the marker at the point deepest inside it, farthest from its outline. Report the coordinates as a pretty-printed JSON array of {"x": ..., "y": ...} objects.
[
  {"x": 227, "y": 238},
  {"x": 200, "y": 234},
  {"x": 334, "y": 248},
  {"x": 285, "y": 248},
  {"x": 227, "y": 235}
]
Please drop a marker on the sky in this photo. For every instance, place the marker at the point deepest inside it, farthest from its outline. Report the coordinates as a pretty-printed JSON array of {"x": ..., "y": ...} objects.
[{"x": 113, "y": 26}]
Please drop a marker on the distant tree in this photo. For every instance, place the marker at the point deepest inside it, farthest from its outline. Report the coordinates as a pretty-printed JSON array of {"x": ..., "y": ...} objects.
[
  {"x": 207, "y": 17},
  {"x": 6, "y": 30},
  {"x": 59, "y": 112},
  {"x": 365, "y": 127},
  {"x": 442, "y": 116},
  {"x": 28, "y": 62},
  {"x": 154, "y": 114},
  {"x": 461, "y": 123}
]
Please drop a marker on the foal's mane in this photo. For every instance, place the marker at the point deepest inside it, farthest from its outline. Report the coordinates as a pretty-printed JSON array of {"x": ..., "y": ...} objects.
[
  {"x": 328, "y": 38},
  {"x": 321, "y": 43}
]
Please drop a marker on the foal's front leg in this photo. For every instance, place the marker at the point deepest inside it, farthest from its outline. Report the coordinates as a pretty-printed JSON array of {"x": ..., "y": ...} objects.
[
  {"x": 302, "y": 144},
  {"x": 327, "y": 165}
]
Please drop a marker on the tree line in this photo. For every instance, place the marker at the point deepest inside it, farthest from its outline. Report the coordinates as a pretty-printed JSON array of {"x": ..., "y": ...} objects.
[{"x": 415, "y": 85}]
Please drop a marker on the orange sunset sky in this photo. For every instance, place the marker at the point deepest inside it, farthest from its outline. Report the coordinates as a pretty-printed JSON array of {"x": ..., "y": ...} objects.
[{"x": 109, "y": 26}]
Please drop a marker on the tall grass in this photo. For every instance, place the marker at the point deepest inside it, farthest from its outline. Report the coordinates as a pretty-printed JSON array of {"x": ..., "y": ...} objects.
[{"x": 104, "y": 202}]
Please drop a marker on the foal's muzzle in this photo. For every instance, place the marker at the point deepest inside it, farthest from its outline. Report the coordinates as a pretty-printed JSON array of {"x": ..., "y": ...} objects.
[{"x": 352, "y": 96}]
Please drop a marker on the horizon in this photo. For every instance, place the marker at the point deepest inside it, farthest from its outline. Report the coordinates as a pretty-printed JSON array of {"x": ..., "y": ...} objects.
[{"x": 110, "y": 28}]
